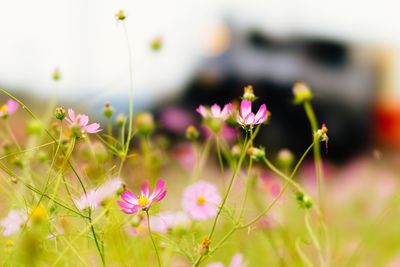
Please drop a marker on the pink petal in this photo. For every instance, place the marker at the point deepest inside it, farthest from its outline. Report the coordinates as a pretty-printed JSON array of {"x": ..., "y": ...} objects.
[
  {"x": 145, "y": 189},
  {"x": 237, "y": 261},
  {"x": 12, "y": 106},
  {"x": 249, "y": 120},
  {"x": 261, "y": 115},
  {"x": 159, "y": 187},
  {"x": 82, "y": 120},
  {"x": 216, "y": 110},
  {"x": 92, "y": 128},
  {"x": 71, "y": 115},
  {"x": 226, "y": 111},
  {"x": 245, "y": 108},
  {"x": 202, "y": 111},
  {"x": 160, "y": 196},
  {"x": 124, "y": 205},
  {"x": 129, "y": 197}
]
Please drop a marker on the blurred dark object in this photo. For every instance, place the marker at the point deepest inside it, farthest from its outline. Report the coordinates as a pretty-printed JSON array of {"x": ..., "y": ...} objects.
[{"x": 342, "y": 83}]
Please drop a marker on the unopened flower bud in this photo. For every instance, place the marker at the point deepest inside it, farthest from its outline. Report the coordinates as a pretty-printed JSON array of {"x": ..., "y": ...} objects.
[
  {"x": 285, "y": 158},
  {"x": 304, "y": 200},
  {"x": 256, "y": 153},
  {"x": 38, "y": 214},
  {"x": 120, "y": 120},
  {"x": 236, "y": 150},
  {"x": 144, "y": 123},
  {"x": 34, "y": 127},
  {"x": 56, "y": 75},
  {"x": 59, "y": 113},
  {"x": 192, "y": 133},
  {"x": 302, "y": 93},
  {"x": 108, "y": 110},
  {"x": 156, "y": 44},
  {"x": 249, "y": 93},
  {"x": 204, "y": 247},
  {"x": 120, "y": 15}
]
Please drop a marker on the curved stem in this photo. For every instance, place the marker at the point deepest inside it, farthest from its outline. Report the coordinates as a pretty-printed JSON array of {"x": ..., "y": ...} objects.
[{"x": 152, "y": 240}]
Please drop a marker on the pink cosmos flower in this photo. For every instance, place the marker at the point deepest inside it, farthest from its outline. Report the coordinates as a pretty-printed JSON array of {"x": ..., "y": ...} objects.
[
  {"x": 132, "y": 203},
  {"x": 13, "y": 222},
  {"x": 9, "y": 108},
  {"x": 176, "y": 119},
  {"x": 215, "y": 111},
  {"x": 201, "y": 200},
  {"x": 237, "y": 261},
  {"x": 81, "y": 121},
  {"x": 95, "y": 197},
  {"x": 248, "y": 118}
]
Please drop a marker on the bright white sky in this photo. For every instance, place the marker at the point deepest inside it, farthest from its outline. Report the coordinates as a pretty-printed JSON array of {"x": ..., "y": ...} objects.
[{"x": 83, "y": 39}]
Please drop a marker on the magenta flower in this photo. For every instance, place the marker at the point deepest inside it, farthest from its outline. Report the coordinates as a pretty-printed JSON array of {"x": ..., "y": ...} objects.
[
  {"x": 9, "y": 108},
  {"x": 94, "y": 197},
  {"x": 80, "y": 122},
  {"x": 247, "y": 118},
  {"x": 215, "y": 111},
  {"x": 132, "y": 203},
  {"x": 13, "y": 222},
  {"x": 201, "y": 200}
]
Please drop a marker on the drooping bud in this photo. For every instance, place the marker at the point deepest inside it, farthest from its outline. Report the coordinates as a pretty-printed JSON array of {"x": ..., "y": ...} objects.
[
  {"x": 120, "y": 15},
  {"x": 285, "y": 158},
  {"x": 249, "y": 93},
  {"x": 59, "y": 113},
  {"x": 108, "y": 110},
  {"x": 144, "y": 123},
  {"x": 192, "y": 133},
  {"x": 302, "y": 93},
  {"x": 256, "y": 153}
]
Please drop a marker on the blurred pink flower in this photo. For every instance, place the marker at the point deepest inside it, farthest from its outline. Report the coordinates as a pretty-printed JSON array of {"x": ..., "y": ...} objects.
[
  {"x": 95, "y": 197},
  {"x": 167, "y": 220},
  {"x": 185, "y": 154},
  {"x": 201, "y": 200},
  {"x": 237, "y": 261},
  {"x": 176, "y": 119},
  {"x": 9, "y": 108},
  {"x": 270, "y": 184},
  {"x": 13, "y": 222},
  {"x": 247, "y": 118},
  {"x": 132, "y": 203},
  {"x": 230, "y": 134},
  {"x": 215, "y": 111},
  {"x": 81, "y": 121}
]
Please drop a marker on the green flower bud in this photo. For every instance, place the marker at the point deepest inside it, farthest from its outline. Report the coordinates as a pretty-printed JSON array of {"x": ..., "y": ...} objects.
[
  {"x": 304, "y": 201},
  {"x": 302, "y": 93},
  {"x": 144, "y": 123},
  {"x": 256, "y": 153},
  {"x": 108, "y": 110},
  {"x": 59, "y": 113},
  {"x": 285, "y": 158},
  {"x": 120, "y": 120},
  {"x": 120, "y": 15},
  {"x": 192, "y": 133},
  {"x": 56, "y": 75},
  {"x": 249, "y": 93},
  {"x": 156, "y": 44}
]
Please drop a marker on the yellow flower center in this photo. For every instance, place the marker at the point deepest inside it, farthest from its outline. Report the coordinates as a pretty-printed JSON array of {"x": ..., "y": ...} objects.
[
  {"x": 201, "y": 200},
  {"x": 3, "y": 108},
  {"x": 143, "y": 201}
]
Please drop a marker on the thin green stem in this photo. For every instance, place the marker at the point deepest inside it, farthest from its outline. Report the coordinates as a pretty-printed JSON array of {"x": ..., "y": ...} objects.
[{"x": 152, "y": 240}]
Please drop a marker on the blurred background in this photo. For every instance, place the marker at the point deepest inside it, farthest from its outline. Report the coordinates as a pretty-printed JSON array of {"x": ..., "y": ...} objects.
[{"x": 347, "y": 51}]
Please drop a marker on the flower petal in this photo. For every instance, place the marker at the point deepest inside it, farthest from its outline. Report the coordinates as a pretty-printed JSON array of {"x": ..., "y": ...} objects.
[
  {"x": 216, "y": 110},
  {"x": 249, "y": 119},
  {"x": 145, "y": 189},
  {"x": 261, "y": 115},
  {"x": 12, "y": 106},
  {"x": 202, "y": 111},
  {"x": 245, "y": 108},
  {"x": 129, "y": 197},
  {"x": 226, "y": 111},
  {"x": 71, "y": 115},
  {"x": 92, "y": 128}
]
